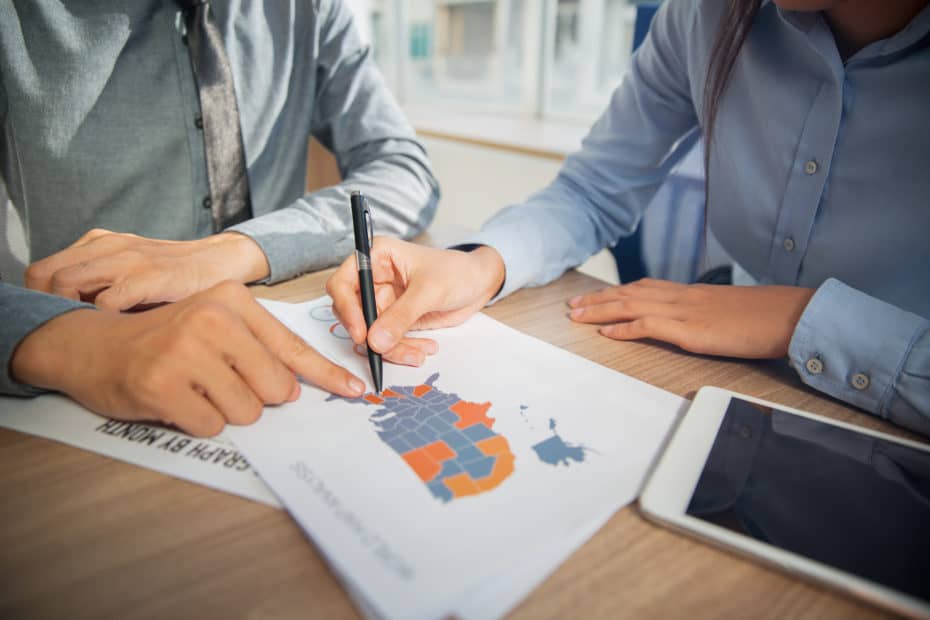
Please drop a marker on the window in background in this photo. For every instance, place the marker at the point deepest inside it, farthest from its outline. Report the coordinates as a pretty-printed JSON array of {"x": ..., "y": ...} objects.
[
  {"x": 466, "y": 52},
  {"x": 591, "y": 53},
  {"x": 545, "y": 58}
]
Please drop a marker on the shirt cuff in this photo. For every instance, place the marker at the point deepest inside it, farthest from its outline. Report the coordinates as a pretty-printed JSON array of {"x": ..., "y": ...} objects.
[
  {"x": 517, "y": 266},
  {"x": 291, "y": 252},
  {"x": 23, "y": 312},
  {"x": 853, "y": 346}
]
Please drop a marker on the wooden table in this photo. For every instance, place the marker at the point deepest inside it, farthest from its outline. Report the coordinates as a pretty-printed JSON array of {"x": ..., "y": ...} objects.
[{"x": 82, "y": 535}]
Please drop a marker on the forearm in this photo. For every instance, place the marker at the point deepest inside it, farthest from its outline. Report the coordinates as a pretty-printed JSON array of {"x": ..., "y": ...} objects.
[
  {"x": 866, "y": 352},
  {"x": 316, "y": 231},
  {"x": 22, "y": 312}
]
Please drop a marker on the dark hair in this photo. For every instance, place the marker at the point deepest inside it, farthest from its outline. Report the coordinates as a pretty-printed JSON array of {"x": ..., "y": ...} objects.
[{"x": 732, "y": 31}]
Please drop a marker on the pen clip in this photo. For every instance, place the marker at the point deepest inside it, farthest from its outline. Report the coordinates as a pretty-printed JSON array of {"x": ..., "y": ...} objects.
[{"x": 368, "y": 221}]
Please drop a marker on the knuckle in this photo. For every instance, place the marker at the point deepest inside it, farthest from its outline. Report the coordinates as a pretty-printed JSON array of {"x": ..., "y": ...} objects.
[
  {"x": 294, "y": 345},
  {"x": 279, "y": 391},
  {"x": 93, "y": 233},
  {"x": 59, "y": 279},
  {"x": 210, "y": 426},
  {"x": 252, "y": 411},
  {"x": 34, "y": 273},
  {"x": 208, "y": 316}
]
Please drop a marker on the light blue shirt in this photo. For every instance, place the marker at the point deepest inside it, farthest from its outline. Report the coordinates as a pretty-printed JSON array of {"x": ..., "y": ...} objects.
[{"x": 819, "y": 177}]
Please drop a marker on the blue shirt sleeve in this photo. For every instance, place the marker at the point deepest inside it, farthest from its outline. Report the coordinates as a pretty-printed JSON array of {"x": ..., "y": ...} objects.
[
  {"x": 22, "y": 311},
  {"x": 357, "y": 119},
  {"x": 602, "y": 190},
  {"x": 866, "y": 352}
]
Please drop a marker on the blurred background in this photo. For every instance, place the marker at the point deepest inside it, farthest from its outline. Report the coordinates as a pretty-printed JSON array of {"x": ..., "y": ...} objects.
[{"x": 499, "y": 90}]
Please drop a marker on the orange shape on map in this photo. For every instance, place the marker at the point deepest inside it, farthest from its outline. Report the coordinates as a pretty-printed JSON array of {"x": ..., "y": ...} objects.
[
  {"x": 439, "y": 451},
  {"x": 503, "y": 467},
  {"x": 420, "y": 390},
  {"x": 472, "y": 413},
  {"x": 375, "y": 400},
  {"x": 421, "y": 463},
  {"x": 391, "y": 394},
  {"x": 492, "y": 446},
  {"x": 462, "y": 485}
]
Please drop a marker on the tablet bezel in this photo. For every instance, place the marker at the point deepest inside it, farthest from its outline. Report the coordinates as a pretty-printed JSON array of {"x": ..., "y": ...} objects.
[{"x": 671, "y": 485}]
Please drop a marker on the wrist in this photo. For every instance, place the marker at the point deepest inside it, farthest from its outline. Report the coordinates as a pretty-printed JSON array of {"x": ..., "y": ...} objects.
[
  {"x": 493, "y": 272},
  {"x": 48, "y": 356},
  {"x": 240, "y": 258}
]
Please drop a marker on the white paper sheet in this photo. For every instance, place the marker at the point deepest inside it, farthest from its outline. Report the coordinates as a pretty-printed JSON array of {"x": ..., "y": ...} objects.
[
  {"x": 215, "y": 462},
  {"x": 581, "y": 436}
]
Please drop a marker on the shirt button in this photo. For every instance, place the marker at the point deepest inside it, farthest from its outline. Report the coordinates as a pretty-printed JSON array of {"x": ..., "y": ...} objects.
[
  {"x": 198, "y": 122},
  {"x": 814, "y": 366},
  {"x": 207, "y": 202},
  {"x": 810, "y": 167},
  {"x": 788, "y": 244},
  {"x": 745, "y": 432},
  {"x": 860, "y": 381}
]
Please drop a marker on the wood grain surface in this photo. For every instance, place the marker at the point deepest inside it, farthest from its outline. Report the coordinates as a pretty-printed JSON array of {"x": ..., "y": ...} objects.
[{"x": 84, "y": 536}]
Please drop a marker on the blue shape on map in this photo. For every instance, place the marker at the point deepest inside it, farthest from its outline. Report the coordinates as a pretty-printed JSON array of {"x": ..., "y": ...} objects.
[
  {"x": 477, "y": 432},
  {"x": 400, "y": 446},
  {"x": 428, "y": 434},
  {"x": 455, "y": 439},
  {"x": 438, "y": 424},
  {"x": 449, "y": 468},
  {"x": 439, "y": 489},
  {"x": 554, "y": 451},
  {"x": 481, "y": 468},
  {"x": 469, "y": 453}
]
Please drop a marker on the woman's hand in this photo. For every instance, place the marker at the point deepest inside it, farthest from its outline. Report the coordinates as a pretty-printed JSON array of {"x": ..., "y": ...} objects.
[
  {"x": 736, "y": 321},
  {"x": 121, "y": 271},
  {"x": 416, "y": 287}
]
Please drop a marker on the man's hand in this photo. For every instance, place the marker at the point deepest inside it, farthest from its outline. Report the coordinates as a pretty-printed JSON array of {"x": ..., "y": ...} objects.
[
  {"x": 215, "y": 358},
  {"x": 416, "y": 288},
  {"x": 736, "y": 321},
  {"x": 121, "y": 271}
]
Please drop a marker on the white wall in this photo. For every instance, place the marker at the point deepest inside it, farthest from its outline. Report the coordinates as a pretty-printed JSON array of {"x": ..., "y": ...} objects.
[{"x": 478, "y": 181}]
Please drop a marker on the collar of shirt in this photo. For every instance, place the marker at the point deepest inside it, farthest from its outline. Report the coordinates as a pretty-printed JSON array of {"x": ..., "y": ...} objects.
[{"x": 909, "y": 36}]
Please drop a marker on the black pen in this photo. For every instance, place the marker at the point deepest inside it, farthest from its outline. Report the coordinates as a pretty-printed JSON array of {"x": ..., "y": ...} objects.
[{"x": 361, "y": 224}]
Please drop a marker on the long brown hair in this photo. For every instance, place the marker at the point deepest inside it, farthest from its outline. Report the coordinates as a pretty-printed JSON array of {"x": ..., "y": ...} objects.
[{"x": 734, "y": 27}]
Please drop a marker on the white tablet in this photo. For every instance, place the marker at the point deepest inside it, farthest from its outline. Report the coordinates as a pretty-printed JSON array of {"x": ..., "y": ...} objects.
[{"x": 842, "y": 505}]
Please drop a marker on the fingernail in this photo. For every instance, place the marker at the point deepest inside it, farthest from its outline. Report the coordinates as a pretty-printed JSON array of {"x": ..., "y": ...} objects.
[
  {"x": 355, "y": 385},
  {"x": 380, "y": 339},
  {"x": 411, "y": 359},
  {"x": 574, "y": 301},
  {"x": 576, "y": 313},
  {"x": 430, "y": 348}
]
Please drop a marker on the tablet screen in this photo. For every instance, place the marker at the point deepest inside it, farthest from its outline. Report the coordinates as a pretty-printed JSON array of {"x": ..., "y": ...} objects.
[{"x": 855, "y": 502}]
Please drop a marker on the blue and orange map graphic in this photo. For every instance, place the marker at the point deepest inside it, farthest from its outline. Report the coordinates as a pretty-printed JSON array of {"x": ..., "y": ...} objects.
[{"x": 448, "y": 442}]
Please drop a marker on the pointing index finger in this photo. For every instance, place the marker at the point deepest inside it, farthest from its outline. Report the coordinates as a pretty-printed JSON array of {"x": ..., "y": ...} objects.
[{"x": 294, "y": 352}]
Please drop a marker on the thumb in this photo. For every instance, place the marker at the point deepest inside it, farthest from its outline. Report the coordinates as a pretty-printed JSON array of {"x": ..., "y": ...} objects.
[{"x": 399, "y": 317}]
